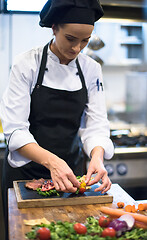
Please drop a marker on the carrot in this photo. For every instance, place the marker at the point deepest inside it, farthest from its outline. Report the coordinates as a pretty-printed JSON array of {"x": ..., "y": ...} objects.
[
  {"x": 134, "y": 210},
  {"x": 142, "y": 206},
  {"x": 140, "y": 225},
  {"x": 120, "y": 212},
  {"x": 128, "y": 208},
  {"x": 120, "y": 204}
]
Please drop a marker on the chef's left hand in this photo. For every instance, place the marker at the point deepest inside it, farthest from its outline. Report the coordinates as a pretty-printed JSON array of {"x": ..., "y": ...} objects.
[{"x": 96, "y": 166}]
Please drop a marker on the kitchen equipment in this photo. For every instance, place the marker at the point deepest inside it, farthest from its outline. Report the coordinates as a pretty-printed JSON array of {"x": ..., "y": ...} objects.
[
  {"x": 94, "y": 56},
  {"x": 128, "y": 167},
  {"x": 29, "y": 198},
  {"x": 136, "y": 97},
  {"x": 95, "y": 43},
  {"x": 125, "y": 9}
]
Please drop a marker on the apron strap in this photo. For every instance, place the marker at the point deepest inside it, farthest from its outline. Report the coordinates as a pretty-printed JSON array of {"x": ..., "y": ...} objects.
[
  {"x": 43, "y": 65},
  {"x": 81, "y": 76}
]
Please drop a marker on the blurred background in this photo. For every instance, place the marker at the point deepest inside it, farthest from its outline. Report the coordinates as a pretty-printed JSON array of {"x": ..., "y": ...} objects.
[{"x": 119, "y": 44}]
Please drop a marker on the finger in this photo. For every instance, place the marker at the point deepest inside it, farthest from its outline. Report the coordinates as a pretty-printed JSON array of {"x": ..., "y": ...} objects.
[
  {"x": 62, "y": 186},
  {"x": 72, "y": 178},
  {"x": 69, "y": 186},
  {"x": 56, "y": 182},
  {"x": 104, "y": 187},
  {"x": 95, "y": 180},
  {"x": 56, "y": 185},
  {"x": 100, "y": 188},
  {"x": 88, "y": 176},
  {"x": 107, "y": 188}
]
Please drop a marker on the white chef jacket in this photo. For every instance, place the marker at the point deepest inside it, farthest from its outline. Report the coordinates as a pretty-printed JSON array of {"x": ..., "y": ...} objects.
[{"x": 15, "y": 104}]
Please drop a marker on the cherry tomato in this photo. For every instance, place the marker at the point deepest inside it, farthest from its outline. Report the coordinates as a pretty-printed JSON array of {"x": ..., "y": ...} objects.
[
  {"x": 80, "y": 228},
  {"x": 104, "y": 221},
  {"x": 82, "y": 190},
  {"x": 109, "y": 232},
  {"x": 44, "y": 233}
]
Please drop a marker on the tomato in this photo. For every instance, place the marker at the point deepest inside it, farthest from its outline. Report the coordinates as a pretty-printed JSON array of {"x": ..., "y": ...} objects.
[
  {"x": 109, "y": 232},
  {"x": 82, "y": 187},
  {"x": 82, "y": 190},
  {"x": 44, "y": 233},
  {"x": 80, "y": 228},
  {"x": 104, "y": 221}
]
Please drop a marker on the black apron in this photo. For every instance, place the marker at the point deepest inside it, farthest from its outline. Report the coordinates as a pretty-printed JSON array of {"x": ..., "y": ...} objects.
[
  {"x": 55, "y": 118},
  {"x": 56, "y": 115}
]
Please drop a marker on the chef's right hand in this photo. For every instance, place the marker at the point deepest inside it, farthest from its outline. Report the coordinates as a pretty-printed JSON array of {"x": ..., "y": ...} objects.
[{"x": 63, "y": 176}]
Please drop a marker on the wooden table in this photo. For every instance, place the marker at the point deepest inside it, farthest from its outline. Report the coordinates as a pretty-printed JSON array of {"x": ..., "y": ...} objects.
[{"x": 17, "y": 229}]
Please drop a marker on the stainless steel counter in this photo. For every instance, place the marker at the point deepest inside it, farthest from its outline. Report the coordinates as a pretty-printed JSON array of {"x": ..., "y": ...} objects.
[{"x": 128, "y": 168}]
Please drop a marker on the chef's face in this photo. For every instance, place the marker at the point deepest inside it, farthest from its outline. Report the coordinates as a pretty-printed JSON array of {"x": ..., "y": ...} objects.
[{"x": 70, "y": 39}]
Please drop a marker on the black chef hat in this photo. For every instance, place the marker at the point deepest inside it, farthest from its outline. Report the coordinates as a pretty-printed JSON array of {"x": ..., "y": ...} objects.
[{"x": 70, "y": 11}]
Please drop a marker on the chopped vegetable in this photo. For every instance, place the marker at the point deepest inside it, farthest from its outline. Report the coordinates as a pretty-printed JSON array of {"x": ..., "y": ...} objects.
[
  {"x": 93, "y": 226},
  {"x": 65, "y": 230},
  {"x": 120, "y": 204},
  {"x": 109, "y": 232},
  {"x": 128, "y": 208},
  {"x": 83, "y": 185},
  {"x": 142, "y": 206},
  {"x": 104, "y": 221},
  {"x": 49, "y": 193},
  {"x": 82, "y": 190},
  {"x": 135, "y": 234},
  {"x": 134, "y": 210},
  {"x": 78, "y": 177},
  {"x": 129, "y": 220},
  {"x": 119, "y": 226},
  {"x": 119, "y": 212}
]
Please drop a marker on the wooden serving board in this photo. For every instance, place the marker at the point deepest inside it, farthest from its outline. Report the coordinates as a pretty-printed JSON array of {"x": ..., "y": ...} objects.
[{"x": 27, "y": 198}]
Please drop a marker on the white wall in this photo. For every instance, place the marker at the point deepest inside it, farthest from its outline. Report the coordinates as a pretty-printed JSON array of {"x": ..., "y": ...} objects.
[
  {"x": 18, "y": 33},
  {"x": 4, "y": 52}
]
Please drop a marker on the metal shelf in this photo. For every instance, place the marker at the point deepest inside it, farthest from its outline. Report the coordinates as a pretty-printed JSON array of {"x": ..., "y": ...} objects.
[{"x": 122, "y": 150}]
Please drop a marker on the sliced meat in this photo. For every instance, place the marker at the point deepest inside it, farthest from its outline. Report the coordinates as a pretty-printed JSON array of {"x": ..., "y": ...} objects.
[
  {"x": 34, "y": 184},
  {"x": 48, "y": 185}
]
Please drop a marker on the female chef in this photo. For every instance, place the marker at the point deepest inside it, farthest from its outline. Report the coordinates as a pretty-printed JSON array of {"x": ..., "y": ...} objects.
[{"x": 55, "y": 96}]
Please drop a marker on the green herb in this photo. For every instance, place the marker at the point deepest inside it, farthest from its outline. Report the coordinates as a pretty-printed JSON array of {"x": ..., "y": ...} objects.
[
  {"x": 32, "y": 234},
  {"x": 136, "y": 233},
  {"x": 65, "y": 230},
  {"x": 93, "y": 226},
  {"x": 77, "y": 191},
  {"x": 49, "y": 193},
  {"x": 78, "y": 177}
]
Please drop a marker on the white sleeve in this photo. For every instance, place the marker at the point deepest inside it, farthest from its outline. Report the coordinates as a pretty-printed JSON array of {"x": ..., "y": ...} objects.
[
  {"x": 95, "y": 130},
  {"x": 15, "y": 108}
]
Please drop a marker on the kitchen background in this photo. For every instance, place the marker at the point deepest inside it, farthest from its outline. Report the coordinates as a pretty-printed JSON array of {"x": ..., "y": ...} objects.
[{"x": 120, "y": 40}]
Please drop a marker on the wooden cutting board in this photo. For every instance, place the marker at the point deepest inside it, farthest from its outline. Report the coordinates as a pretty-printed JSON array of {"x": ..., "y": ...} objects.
[{"x": 27, "y": 198}]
